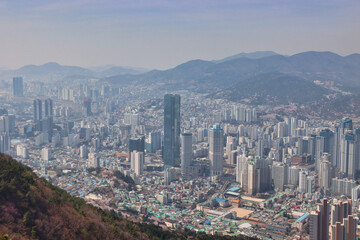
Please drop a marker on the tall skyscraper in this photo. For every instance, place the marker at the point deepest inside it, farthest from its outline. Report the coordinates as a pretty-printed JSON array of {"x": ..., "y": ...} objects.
[
  {"x": 258, "y": 176},
  {"x": 280, "y": 175},
  {"x": 137, "y": 144},
  {"x": 343, "y": 223},
  {"x": 18, "y": 87},
  {"x": 303, "y": 181},
  {"x": 48, "y": 107},
  {"x": 46, "y": 125},
  {"x": 186, "y": 154},
  {"x": 137, "y": 162},
  {"x": 7, "y": 123},
  {"x": 357, "y": 148},
  {"x": 46, "y": 154},
  {"x": 346, "y": 125},
  {"x": 325, "y": 173},
  {"x": 260, "y": 145},
  {"x": 314, "y": 225},
  {"x": 216, "y": 150},
  {"x": 293, "y": 176},
  {"x": 171, "y": 153},
  {"x": 93, "y": 160},
  {"x": 348, "y": 163},
  {"x": 4, "y": 142},
  {"x": 319, "y": 222},
  {"x": 22, "y": 151},
  {"x": 132, "y": 119},
  {"x": 154, "y": 142},
  {"x": 87, "y": 107},
  {"x": 242, "y": 170},
  {"x": 230, "y": 145},
  {"x": 281, "y": 129},
  {"x": 83, "y": 151},
  {"x": 328, "y": 140},
  {"x": 294, "y": 126},
  {"x": 324, "y": 220},
  {"x": 37, "y": 110}
]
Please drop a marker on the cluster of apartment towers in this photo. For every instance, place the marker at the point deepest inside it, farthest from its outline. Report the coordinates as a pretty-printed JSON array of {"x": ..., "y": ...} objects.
[
  {"x": 335, "y": 222},
  {"x": 173, "y": 155}
]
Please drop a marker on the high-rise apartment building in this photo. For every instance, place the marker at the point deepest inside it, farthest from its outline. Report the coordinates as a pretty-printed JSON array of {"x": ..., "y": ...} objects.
[
  {"x": 136, "y": 144},
  {"x": 37, "y": 110},
  {"x": 93, "y": 160},
  {"x": 328, "y": 136},
  {"x": 325, "y": 173},
  {"x": 132, "y": 119},
  {"x": 346, "y": 125},
  {"x": 171, "y": 153},
  {"x": 48, "y": 106},
  {"x": 319, "y": 222},
  {"x": 186, "y": 154},
  {"x": 154, "y": 142},
  {"x": 254, "y": 174},
  {"x": 280, "y": 175},
  {"x": 293, "y": 176},
  {"x": 83, "y": 151},
  {"x": 342, "y": 186},
  {"x": 348, "y": 163},
  {"x": 343, "y": 223},
  {"x": 46, "y": 154},
  {"x": 4, "y": 142},
  {"x": 216, "y": 150},
  {"x": 137, "y": 162},
  {"x": 7, "y": 123},
  {"x": 241, "y": 170},
  {"x": 18, "y": 89},
  {"x": 259, "y": 176},
  {"x": 87, "y": 107},
  {"x": 293, "y": 126},
  {"x": 306, "y": 182},
  {"x": 22, "y": 151}
]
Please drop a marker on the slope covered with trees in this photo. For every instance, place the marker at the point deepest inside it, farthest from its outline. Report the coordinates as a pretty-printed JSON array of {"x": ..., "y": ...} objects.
[
  {"x": 273, "y": 88},
  {"x": 32, "y": 208}
]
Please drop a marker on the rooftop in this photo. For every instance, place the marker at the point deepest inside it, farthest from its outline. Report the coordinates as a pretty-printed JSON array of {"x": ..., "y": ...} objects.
[{"x": 302, "y": 217}]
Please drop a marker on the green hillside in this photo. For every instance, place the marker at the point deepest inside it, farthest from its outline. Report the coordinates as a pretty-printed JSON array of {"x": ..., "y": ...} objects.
[{"x": 32, "y": 208}]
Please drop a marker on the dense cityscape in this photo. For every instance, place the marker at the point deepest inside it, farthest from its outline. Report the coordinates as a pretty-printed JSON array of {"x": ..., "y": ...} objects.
[
  {"x": 179, "y": 120},
  {"x": 183, "y": 160}
]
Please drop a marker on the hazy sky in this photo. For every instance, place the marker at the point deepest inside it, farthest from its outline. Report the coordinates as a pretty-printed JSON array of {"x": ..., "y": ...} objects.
[{"x": 161, "y": 34}]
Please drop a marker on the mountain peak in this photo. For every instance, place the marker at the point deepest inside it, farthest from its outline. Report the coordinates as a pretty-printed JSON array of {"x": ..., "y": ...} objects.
[
  {"x": 51, "y": 64},
  {"x": 316, "y": 54},
  {"x": 250, "y": 55}
]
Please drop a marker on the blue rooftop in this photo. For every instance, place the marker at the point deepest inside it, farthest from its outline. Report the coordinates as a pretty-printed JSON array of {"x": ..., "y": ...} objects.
[
  {"x": 221, "y": 200},
  {"x": 234, "y": 189},
  {"x": 207, "y": 222},
  {"x": 302, "y": 217}
]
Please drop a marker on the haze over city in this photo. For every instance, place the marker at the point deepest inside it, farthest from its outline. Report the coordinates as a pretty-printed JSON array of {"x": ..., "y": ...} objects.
[{"x": 161, "y": 34}]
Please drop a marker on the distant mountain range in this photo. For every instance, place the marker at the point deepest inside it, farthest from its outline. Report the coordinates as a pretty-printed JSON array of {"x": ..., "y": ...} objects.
[
  {"x": 111, "y": 70},
  {"x": 208, "y": 76},
  {"x": 217, "y": 76},
  {"x": 54, "y": 71},
  {"x": 52, "y": 68}
]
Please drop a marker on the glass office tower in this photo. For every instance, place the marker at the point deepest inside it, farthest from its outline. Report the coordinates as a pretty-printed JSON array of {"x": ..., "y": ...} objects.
[{"x": 171, "y": 152}]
